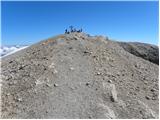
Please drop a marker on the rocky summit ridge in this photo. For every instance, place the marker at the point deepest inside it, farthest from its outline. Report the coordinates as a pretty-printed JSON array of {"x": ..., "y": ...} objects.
[{"x": 80, "y": 76}]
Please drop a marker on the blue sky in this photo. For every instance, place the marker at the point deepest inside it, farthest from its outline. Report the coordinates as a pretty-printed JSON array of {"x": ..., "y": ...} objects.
[{"x": 29, "y": 22}]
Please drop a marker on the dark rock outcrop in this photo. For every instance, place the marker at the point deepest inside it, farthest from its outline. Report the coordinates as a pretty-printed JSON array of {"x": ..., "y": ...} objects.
[{"x": 145, "y": 51}]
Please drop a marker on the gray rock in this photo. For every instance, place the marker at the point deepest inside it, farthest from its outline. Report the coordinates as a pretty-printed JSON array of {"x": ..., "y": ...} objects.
[
  {"x": 53, "y": 81},
  {"x": 55, "y": 85}
]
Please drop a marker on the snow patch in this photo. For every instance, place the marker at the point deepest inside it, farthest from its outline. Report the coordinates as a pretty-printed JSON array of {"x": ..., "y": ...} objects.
[{"x": 8, "y": 50}]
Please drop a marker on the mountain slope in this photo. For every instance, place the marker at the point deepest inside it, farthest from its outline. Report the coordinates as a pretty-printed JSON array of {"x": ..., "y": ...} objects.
[
  {"x": 146, "y": 51},
  {"x": 78, "y": 76}
]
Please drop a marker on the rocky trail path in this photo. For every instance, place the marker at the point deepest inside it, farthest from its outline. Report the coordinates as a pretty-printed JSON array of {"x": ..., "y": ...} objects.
[{"x": 78, "y": 76}]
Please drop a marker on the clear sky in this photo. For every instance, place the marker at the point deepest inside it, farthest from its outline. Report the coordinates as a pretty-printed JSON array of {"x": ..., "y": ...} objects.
[{"x": 30, "y": 22}]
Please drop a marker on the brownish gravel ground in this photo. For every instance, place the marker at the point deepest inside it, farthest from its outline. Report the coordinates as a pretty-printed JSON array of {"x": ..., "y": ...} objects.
[{"x": 79, "y": 76}]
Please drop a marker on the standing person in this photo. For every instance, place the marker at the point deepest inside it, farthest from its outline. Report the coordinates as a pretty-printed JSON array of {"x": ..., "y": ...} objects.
[
  {"x": 81, "y": 30},
  {"x": 74, "y": 30},
  {"x": 71, "y": 28},
  {"x": 66, "y": 31}
]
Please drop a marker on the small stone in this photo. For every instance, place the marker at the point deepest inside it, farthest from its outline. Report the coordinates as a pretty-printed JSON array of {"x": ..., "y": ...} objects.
[
  {"x": 146, "y": 69},
  {"x": 48, "y": 85},
  {"x": 90, "y": 117},
  {"x": 111, "y": 90},
  {"x": 19, "y": 99},
  {"x": 21, "y": 68},
  {"x": 45, "y": 58},
  {"x": 55, "y": 85},
  {"x": 13, "y": 71},
  {"x": 86, "y": 52},
  {"x": 144, "y": 78},
  {"x": 7, "y": 77},
  {"x": 113, "y": 94},
  {"x": 72, "y": 88},
  {"x": 94, "y": 56},
  {"x": 111, "y": 60},
  {"x": 147, "y": 97},
  {"x": 76, "y": 38},
  {"x": 10, "y": 61},
  {"x": 118, "y": 74},
  {"x": 153, "y": 90},
  {"x": 137, "y": 89},
  {"x": 141, "y": 112},
  {"x": 98, "y": 73},
  {"x": 8, "y": 94},
  {"x": 52, "y": 65},
  {"x": 145, "y": 82},
  {"x": 10, "y": 83},
  {"x": 153, "y": 98},
  {"x": 71, "y": 68},
  {"x": 110, "y": 81},
  {"x": 111, "y": 64},
  {"x": 87, "y": 84},
  {"x": 70, "y": 48},
  {"x": 55, "y": 71},
  {"x": 38, "y": 82}
]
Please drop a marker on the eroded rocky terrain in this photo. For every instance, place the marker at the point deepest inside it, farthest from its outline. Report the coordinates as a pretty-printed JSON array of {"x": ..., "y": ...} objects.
[{"x": 78, "y": 76}]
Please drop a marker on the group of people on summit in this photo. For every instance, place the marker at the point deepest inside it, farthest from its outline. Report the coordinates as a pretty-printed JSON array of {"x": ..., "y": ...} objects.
[{"x": 72, "y": 29}]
